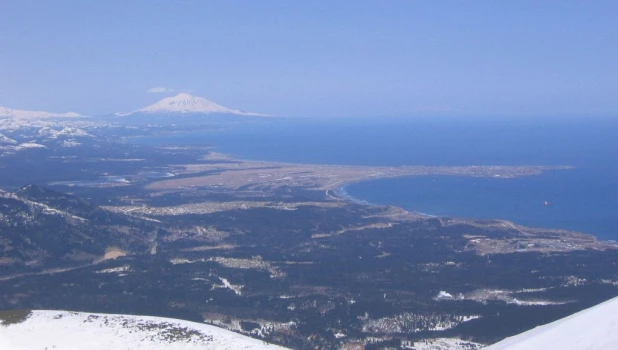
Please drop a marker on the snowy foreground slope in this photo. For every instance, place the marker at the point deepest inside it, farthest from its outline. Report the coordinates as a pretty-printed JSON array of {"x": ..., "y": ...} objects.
[
  {"x": 595, "y": 328},
  {"x": 64, "y": 330}
]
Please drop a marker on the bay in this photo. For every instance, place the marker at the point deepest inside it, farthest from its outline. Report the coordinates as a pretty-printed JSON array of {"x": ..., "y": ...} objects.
[{"x": 583, "y": 199}]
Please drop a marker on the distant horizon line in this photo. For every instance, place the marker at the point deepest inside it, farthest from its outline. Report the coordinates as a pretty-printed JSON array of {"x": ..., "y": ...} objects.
[{"x": 400, "y": 115}]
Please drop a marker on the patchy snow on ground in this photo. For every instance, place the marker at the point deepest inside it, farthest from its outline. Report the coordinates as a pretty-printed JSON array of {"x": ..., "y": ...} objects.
[
  {"x": 70, "y": 143},
  {"x": 442, "y": 344},
  {"x": 414, "y": 323},
  {"x": 595, "y": 328},
  {"x": 30, "y": 145},
  {"x": 119, "y": 269},
  {"x": 236, "y": 288},
  {"x": 508, "y": 296},
  {"x": 444, "y": 296},
  {"x": 265, "y": 327},
  {"x": 85, "y": 331},
  {"x": 4, "y": 140}
]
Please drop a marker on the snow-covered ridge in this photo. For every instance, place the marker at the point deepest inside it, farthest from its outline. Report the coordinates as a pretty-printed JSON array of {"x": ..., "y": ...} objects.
[
  {"x": 4, "y": 140},
  {"x": 66, "y": 132},
  {"x": 186, "y": 104},
  {"x": 18, "y": 113},
  {"x": 88, "y": 331},
  {"x": 12, "y": 125},
  {"x": 37, "y": 208},
  {"x": 594, "y": 328}
]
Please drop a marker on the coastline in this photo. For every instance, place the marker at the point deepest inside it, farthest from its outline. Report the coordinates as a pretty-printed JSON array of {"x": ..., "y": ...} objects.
[
  {"x": 527, "y": 238},
  {"x": 342, "y": 193},
  {"x": 264, "y": 176},
  {"x": 543, "y": 202},
  {"x": 241, "y": 173},
  {"x": 218, "y": 173}
]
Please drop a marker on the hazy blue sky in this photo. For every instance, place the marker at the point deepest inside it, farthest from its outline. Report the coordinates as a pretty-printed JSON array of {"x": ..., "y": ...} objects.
[{"x": 304, "y": 58}]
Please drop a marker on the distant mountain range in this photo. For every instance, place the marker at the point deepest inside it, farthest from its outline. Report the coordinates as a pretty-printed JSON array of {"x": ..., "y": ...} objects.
[
  {"x": 23, "y": 114},
  {"x": 183, "y": 103}
]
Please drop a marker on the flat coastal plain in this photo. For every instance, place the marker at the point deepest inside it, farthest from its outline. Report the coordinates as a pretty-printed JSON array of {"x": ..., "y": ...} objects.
[{"x": 234, "y": 173}]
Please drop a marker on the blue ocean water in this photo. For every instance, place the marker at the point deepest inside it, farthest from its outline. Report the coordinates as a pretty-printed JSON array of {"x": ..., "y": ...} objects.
[{"x": 583, "y": 199}]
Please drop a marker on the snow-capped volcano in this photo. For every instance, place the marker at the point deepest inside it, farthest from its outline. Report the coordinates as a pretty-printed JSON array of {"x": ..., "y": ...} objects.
[
  {"x": 18, "y": 113},
  {"x": 184, "y": 103}
]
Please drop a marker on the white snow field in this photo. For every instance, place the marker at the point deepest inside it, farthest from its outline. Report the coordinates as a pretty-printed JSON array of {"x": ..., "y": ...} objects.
[
  {"x": 65, "y": 330},
  {"x": 595, "y": 328}
]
